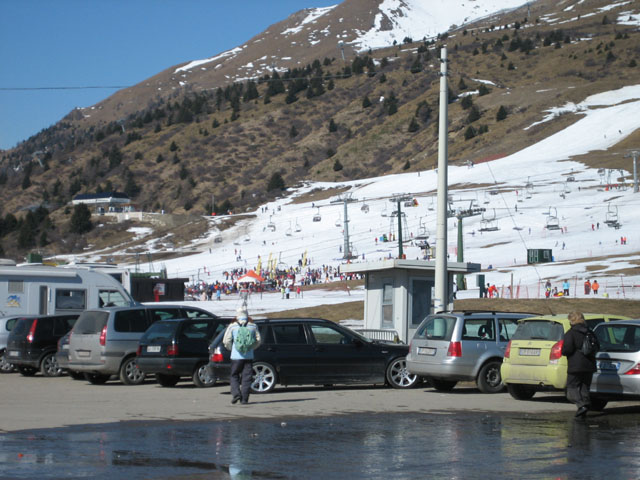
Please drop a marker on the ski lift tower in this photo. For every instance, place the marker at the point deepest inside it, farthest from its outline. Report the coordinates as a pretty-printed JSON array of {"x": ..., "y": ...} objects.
[
  {"x": 345, "y": 199},
  {"x": 459, "y": 214},
  {"x": 634, "y": 154},
  {"x": 399, "y": 200}
]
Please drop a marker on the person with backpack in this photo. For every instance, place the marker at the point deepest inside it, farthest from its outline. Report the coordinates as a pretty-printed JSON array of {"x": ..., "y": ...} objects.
[
  {"x": 241, "y": 338},
  {"x": 580, "y": 346}
]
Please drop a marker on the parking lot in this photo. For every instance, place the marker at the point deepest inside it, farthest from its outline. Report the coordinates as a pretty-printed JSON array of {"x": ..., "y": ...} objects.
[{"x": 37, "y": 402}]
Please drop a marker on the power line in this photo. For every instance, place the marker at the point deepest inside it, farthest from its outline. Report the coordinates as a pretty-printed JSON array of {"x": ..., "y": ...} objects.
[{"x": 85, "y": 87}]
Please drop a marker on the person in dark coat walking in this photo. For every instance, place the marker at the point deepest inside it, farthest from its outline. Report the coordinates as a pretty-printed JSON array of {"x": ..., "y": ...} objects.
[{"x": 580, "y": 367}]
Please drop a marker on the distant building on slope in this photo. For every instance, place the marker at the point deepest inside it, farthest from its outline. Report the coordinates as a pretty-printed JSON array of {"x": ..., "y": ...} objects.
[{"x": 104, "y": 202}]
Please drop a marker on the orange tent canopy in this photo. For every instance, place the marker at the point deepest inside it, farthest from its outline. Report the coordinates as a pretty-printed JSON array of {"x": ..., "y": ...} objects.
[{"x": 251, "y": 277}]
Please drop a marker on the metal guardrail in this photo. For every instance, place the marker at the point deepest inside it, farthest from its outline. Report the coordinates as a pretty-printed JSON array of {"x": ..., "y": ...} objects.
[{"x": 380, "y": 334}]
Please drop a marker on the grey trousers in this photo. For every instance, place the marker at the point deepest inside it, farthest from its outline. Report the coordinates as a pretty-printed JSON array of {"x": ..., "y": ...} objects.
[
  {"x": 578, "y": 385},
  {"x": 241, "y": 378}
]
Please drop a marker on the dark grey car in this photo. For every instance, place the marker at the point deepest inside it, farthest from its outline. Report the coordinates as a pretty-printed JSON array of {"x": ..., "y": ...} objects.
[{"x": 462, "y": 346}]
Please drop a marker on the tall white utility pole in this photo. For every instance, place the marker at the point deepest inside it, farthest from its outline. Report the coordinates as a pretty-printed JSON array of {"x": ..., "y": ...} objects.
[
  {"x": 441, "y": 288},
  {"x": 634, "y": 154}
]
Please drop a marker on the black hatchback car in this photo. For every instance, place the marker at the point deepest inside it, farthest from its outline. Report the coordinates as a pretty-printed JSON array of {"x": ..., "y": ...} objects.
[
  {"x": 176, "y": 348},
  {"x": 32, "y": 343},
  {"x": 313, "y": 351}
]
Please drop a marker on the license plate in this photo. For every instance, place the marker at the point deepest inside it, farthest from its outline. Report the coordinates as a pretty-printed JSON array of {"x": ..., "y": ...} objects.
[
  {"x": 153, "y": 348},
  {"x": 608, "y": 366},
  {"x": 83, "y": 353},
  {"x": 14, "y": 353},
  {"x": 426, "y": 351},
  {"x": 529, "y": 352}
]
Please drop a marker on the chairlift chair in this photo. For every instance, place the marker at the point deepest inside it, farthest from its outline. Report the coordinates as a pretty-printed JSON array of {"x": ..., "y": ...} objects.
[
  {"x": 297, "y": 228},
  {"x": 288, "y": 232},
  {"x": 552, "y": 220},
  {"x": 486, "y": 197},
  {"x": 317, "y": 217},
  {"x": 489, "y": 223},
  {"x": 611, "y": 217},
  {"x": 339, "y": 221},
  {"x": 271, "y": 226},
  {"x": 364, "y": 208}
]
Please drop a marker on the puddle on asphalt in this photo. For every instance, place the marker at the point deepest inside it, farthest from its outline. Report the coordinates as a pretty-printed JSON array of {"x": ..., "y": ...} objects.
[{"x": 360, "y": 446}]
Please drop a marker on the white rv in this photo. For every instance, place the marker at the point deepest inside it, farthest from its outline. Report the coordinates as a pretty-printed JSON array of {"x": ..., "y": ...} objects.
[{"x": 44, "y": 290}]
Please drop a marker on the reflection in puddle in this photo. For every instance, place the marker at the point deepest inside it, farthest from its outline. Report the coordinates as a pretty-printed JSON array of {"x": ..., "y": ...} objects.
[{"x": 362, "y": 446}]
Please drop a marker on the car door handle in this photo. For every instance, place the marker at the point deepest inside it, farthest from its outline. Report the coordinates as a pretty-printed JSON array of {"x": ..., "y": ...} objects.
[
  {"x": 271, "y": 349},
  {"x": 319, "y": 349}
]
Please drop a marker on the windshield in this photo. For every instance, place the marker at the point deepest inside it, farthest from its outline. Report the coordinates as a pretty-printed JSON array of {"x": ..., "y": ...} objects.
[
  {"x": 618, "y": 338},
  {"x": 539, "y": 330},
  {"x": 436, "y": 328},
  {"x": 113, "y": 298},
  {"x": 160, "y": 331}
]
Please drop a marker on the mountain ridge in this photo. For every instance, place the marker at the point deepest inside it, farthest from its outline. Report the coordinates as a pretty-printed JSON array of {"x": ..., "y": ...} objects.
[{"x": 229, "y": 142}]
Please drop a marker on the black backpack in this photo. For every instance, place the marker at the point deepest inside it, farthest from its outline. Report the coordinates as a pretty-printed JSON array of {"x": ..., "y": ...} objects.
[{"x": 590, "y": 344}]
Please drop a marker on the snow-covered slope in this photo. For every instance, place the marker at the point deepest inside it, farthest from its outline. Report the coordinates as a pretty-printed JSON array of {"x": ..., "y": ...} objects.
[
  {"x": 416, "y": 19},
  {"x": 581, "y": 199}
]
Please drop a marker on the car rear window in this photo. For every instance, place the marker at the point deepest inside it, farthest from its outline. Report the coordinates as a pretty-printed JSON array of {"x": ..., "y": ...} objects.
[
  {"x": 539, "y": 330},
  {"x": 22, "y": 326},
  {"x": 618, "y": 338},
  {"x": 90, "y": 323},
  {"x": 160, "y": 331},
  {"x": 436, "y": 328},
  {"x": 289, "y": 334}
]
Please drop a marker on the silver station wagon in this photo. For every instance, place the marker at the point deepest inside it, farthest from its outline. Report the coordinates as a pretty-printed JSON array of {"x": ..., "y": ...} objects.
[
  {"x": 448, "y": 348},
  {"x": 618, "y": 363}
]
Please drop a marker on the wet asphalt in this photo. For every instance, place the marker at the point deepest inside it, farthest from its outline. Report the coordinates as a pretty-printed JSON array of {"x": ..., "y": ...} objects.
[{"x": 451, "y": 445}]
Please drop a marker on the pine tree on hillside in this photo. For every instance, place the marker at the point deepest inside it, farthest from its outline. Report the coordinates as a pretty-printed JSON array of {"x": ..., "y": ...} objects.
[
  {"x": 80, "y": 219},
  {"x": 413, "y": 125},
  {"x": 474, "y": 114},
  {"x": 366, "y": 103},
  {"x": 466, "y": 102},
  {"x": 502, "y": 113},
  {"x": 332, "y": 126},
  {"x": 276, "y": 182},
  {"x": 337, "y": 166}
]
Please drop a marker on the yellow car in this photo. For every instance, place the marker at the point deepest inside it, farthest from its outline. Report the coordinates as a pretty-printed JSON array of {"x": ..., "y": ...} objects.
[{"x": 533, "y": 358}]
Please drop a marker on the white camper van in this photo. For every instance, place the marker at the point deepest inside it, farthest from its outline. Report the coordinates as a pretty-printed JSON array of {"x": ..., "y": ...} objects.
[{"x": 44, "y": 290}]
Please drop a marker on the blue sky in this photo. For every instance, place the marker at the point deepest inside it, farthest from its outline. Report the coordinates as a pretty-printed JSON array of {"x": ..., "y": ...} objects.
[{"x": 73, "y": 43}]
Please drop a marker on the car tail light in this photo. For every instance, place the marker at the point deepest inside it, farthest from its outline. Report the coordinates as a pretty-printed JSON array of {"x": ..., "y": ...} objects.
[
  {"x": 103, "y": 336},
  {"x": 634, "y": 371},
  {"x": 507, "y": 352},
  {"x": 32, "y": 331},
  {"x": 556, "y": 352},
  {"x": 455, "y": 349},
  {"x": 217, "y": 356},
  {"x": 172, "y": 350},
  {"x": 139, "y": 351}
]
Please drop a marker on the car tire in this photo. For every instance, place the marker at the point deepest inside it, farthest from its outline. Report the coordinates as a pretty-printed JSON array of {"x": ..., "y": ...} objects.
[
  {"x": 398, "y": 376},
  {"x": 442, "y": 385},
  {"x": 598, "y": 404},
  {"x": 167, "y": 380},
  {"x": 97, "y": 378},
  {"x": 489, "y": 379},
  {"x": 5, "y": 366},
  {"x": 264, "y": 378},
  {"x": 130, "y": 374},
  {"x": 27, "y": 371},
  {"x": 76, "y": 375},
  {"x": 49, "y": 366},
  {"x": 521, "y": 392},
  {"x": 203, "y": 377}
]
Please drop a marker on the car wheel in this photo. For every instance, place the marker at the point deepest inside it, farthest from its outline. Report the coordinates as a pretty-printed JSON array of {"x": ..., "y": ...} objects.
[
  {"x": 598, "y": 404},
  {"x": 167, "y": 380},
  {"x": 130, "y": 374},
  {"x": 521, "y": 392},
  {"x": 489, "y": 379},
  {"x": 398, "y": 376},
  {"x": 49, "y": 366},
  {"x": 27, "y": 371},
  {"x": 264, "y": 378},
  {"x": 97, "y": 378},
  {"x": 202, "y": 376},
  {"x": 442, "y": 385},
  {"x": 5, "y": 366}
]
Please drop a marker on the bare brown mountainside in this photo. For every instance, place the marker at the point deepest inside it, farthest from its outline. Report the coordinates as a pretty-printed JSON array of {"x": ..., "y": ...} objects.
[{"x": 177, "y": 139}]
